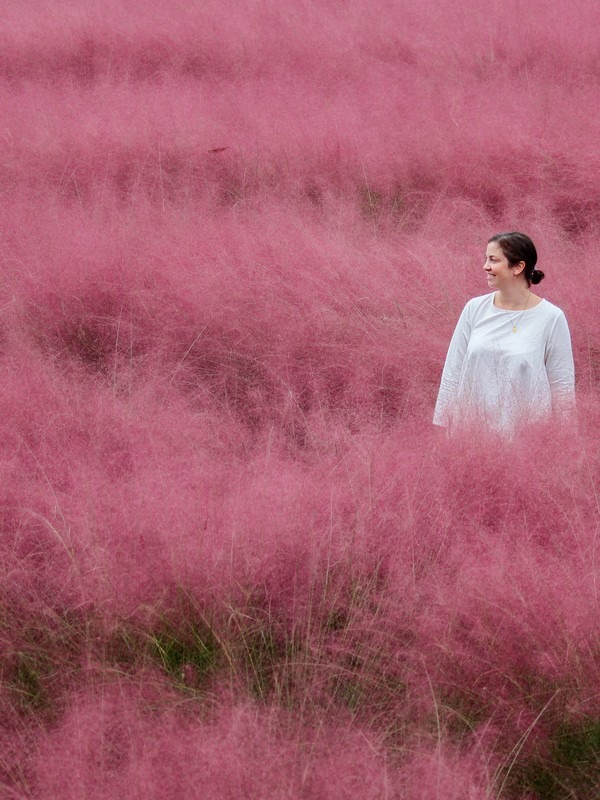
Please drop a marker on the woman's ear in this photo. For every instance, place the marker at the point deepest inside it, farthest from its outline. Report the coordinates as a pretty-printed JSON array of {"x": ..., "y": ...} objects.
[{"x": 519, "y": 267}]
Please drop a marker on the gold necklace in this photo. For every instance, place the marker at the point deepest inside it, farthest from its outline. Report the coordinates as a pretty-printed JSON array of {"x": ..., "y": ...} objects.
[{"x": 514, "y": 324}]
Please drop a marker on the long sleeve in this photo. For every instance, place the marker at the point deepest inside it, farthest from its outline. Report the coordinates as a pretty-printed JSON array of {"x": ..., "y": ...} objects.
[
  {"x": 444, "y": 406},
  {"x": 560, "y": 368}
]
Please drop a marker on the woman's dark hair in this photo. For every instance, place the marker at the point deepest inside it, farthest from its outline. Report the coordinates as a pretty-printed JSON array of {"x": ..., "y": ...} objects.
[{"x": 519, "y": 247}]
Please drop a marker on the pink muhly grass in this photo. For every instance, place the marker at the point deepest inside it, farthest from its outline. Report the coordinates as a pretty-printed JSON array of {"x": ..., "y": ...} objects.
[
  {"x": 124, "y": 744},
  {"x": 235, "y": 556}
]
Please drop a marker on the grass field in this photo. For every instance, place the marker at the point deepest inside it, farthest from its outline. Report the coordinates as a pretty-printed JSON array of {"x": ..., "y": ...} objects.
[{"x": 237, "y": 559}]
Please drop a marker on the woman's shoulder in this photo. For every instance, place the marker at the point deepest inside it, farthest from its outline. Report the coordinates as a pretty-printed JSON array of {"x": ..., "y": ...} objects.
[
  {"x": 480, "y": 302},
  {"x": 481, "y": 299},
  {"x": 550, "y": 309}
]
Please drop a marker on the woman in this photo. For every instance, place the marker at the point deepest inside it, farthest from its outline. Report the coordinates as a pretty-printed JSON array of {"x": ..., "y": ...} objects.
[{"x": 510, "y": 357}]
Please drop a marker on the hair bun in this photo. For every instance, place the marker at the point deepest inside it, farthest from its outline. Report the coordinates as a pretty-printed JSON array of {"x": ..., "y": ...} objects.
[{"x": 537, "y": 275}]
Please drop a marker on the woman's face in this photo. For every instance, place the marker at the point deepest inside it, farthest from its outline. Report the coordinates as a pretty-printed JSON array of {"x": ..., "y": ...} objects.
[{"x": 499, "y": 272}]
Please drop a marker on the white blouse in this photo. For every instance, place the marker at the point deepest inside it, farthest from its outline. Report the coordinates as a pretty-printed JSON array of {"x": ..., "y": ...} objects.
[{"x": 499, "y": 377}]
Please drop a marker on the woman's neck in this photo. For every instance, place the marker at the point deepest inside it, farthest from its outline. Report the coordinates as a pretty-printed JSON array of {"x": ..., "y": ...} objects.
[{"x": 513, "y": 298}]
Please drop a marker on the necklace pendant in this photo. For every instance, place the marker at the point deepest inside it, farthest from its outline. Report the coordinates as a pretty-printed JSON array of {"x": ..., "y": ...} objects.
[{"x": 514, "y": 329}]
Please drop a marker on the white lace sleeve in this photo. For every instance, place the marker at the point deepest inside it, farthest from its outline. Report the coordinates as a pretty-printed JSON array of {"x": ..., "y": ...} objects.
[
  {"x": 560, "y": 368},
  {"x": 445, "y": 405}
]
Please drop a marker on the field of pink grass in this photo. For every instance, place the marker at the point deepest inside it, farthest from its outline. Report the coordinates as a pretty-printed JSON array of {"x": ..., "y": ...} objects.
[{"x": 236, "y": 558}]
